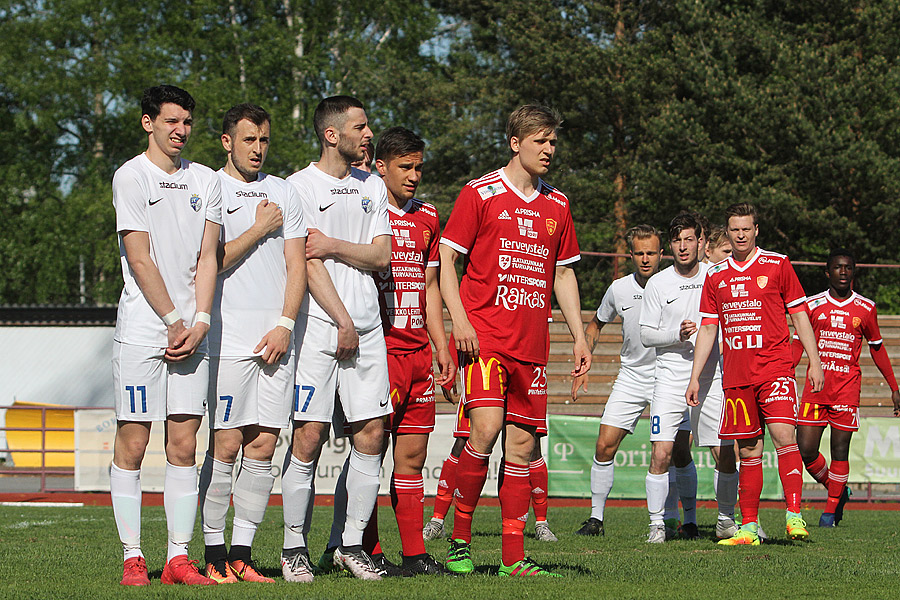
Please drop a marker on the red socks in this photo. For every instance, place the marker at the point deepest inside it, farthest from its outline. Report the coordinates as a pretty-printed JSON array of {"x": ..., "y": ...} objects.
[
  {"x": 790, "y": 470},
  {"x": 538, "y": 478},
  {"x": 750, "y": 485},
  {"x": 818, "y": 469},
  {"x": 837, "y": 481},
  {"x": 446, "y": 485},
  {"x": 471, "y": 473},
  {"x": 515, "y": 496},
  {"x": 408, "y": 497}
]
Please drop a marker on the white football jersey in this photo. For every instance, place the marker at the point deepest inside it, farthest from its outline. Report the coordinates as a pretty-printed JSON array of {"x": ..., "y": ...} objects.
[
  {"x": 250, "y": 295},
  {"x": 624, "y": 297},
  {"x": 353, "y": 209},
  {"x": 174, "y": 210},
  {"x": 670, "y": 299}
]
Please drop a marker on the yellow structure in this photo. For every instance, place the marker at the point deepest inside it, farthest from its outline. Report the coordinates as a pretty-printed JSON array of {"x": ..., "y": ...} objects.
[{"x": 26, "y": 415}]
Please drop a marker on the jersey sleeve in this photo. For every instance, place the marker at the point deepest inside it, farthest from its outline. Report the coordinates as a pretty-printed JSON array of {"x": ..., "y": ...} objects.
[
  {"x": 130, "y": 201},
  {"x": 870, "y": 328},
  {"x": 464, "y": 221},
  {"x": 214, "y": 201},
  {"x": 294, "y": 223},
  {"x": 434, "y": 257},
  {"x": 307, "y": 203},
  {"x": 568, "y": 244},
  {"x": 606, "y": 312},
  {"x": 382, "y": 219},
  {"x": 791, "y": 290},
  {"x": 651, "y": 308},
  {"x": 709, "y": 303}
]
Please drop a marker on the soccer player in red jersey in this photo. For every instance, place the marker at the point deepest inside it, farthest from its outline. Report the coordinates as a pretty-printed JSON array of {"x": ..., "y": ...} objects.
[
  {"x": 519, "y": 241},
  {"x": 840, "y": 319},
  {"x": 748, "y": 294}
]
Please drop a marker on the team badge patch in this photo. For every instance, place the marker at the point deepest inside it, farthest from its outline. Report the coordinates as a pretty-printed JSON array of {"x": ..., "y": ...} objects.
[
  {"x": 366, "y": 204},
  {"x": 856, "y": 322},
  {"x": 504, "y": 261},
  {"x": 761, "y": 281},
  {"x": 490, "y": 190},
  {"x": 196, "y": 203},
  {"x": 427, "y": 236},
  {"x": 551, "y": 226}
]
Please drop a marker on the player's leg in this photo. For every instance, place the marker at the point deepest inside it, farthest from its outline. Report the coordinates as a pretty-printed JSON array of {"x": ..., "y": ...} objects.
[
  {"x": 539, "y": 479},
  {"x": 408, "y": 497},
  {"x": 434, "y": 529},
  {"x": 515, "y": 492},
  {"x": 215, "y": 498},
  {"x": 609, "y": 439},
  {"x": 778, "y": 403},
  {"x": 844, "y": 421},
  {"x": 666, "y": 416},
  {"x": 811, "y": 424},
  {"x": 686, "y": 482},
  {"x": 725, "y": 483}
]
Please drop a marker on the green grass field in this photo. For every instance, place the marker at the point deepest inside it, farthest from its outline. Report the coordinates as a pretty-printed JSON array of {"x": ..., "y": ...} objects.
[{"x": 74, "y": 553}]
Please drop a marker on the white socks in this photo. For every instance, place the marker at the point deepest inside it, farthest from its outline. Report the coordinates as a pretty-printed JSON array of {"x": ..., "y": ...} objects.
[
  {"x": 657, "y": 489},
  {"x": 603, "y": 475},
  {"x": 362, "y": 493},
  {"x": 726, "y": 486},
  {"x": 125, "y": 489},
  {"x": 180, "y": 501},
  {"x": 252, "y": 489},
  {"x": 686, "y": 481},
  {"x": 296, "y": 493},
  {"x": 215, "y": 496}
]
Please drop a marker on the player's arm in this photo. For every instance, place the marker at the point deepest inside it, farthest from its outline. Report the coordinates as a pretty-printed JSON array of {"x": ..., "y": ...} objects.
[
  {"x": 149, "y": 279},
  {"x": 883, "y": 362},
  {"x": 796, "y": 351},
  {"x": 565, "y": 287},
  {"x": 204, "y": 290},
  {"x": 368, "y": 257},
  {"x": 803, "y": 329},
  {"x": 322, "y": 289},
  {"x": 268, "y": 218},
  {"x": 434, "y": 323},
  {"x": 277, "y": 341},
  {"x": 706, "y": 338},
  {"x": 462, "y": 330}
]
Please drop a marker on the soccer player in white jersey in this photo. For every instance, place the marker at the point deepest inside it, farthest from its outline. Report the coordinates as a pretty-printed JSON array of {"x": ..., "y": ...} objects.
[
  {"x": 339, "y": 335},
  {"x": 168, "y": 213},
  {"x": 634, "y": 383},
  {"x": 258, "y": 294},
  {"x": 668, "y": 323}
]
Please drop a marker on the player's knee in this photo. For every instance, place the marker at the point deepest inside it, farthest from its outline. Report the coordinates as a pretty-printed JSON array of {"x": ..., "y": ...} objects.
[
  {"x": 483, "y": 436},
  {"x": 606, "y": 449},
  {"x": 369, "y": 439},
  {"x": 308, "y": 438}
]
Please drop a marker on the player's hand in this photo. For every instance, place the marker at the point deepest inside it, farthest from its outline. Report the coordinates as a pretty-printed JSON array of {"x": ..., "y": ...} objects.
[
  {"x": 582, "y": 358},
  {"x": 895, "y": 398},
  {"x": 466, "y": 339},
  {"x": 276, "y": 344},
  {"x": 187, "y": 344},
  {"x": 347, "y": 343},
  {"x": 580, "y": 381},
  {"x": 318, "y": 245},
  {"x": 688, "y": 328},
  {"x": 268, "y": 217},
  {"x": 451, "y": 394},
  {"x": 692, "y": 395},
  {"x": 816, "y": 377},
  {"x": 176, "y": 332},
  {"x": 447, "y": 366}
]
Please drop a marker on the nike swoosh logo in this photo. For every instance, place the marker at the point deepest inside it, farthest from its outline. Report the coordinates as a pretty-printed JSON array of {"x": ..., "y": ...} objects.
[
  {"x": 324, "y": 208},
  {"x": 671, "y": 301},
  {"x": 624, "y": 308},
  {"x": 152, "y": 202},
  {"x": 381, "y": 404},
  {"x": 232, "y": 210}
]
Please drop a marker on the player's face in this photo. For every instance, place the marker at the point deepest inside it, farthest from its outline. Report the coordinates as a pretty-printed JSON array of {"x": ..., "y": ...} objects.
[
  {"x": 685, "y": 248},
  {"x": 354, "y": 136},
  {"x": 536, "y": 151},
  {"x": 645, "y": 252},
  {"x": 170, "y": 130},
  {"x": 742, "y": 234},
  {"x": 720, "y": 252},
  {"x": 247, "y": 147},
  {"x": 401, "y": 175},
  {"x": 840, "y": 273}
]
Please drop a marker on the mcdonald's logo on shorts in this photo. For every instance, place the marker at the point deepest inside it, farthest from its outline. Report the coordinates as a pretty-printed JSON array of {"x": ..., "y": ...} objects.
[
  {"x": 486, "y": 367},
  {"x": 734, "y": 410}
]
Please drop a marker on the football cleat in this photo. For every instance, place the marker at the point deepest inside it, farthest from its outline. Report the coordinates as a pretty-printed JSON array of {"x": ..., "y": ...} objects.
[
  {"x": 182, "y": 570},
  {"x": 759, "y": 531},
  {"x": 726, "y": 528},
  {"x": 386, "y": 568},
  {"x": 248, "y": 571},
  {"x": 459, "y": 558},
  {"x": 296, "y": 568},
  {"x": 423, "y": 565},
  {"x": 672, "y": 527},
  {"x": 220, "y": 573},
  {"x": 592, "y": 526},
  {"x": 689, "y": 531},
  {"x": 525, "y": 568},
  {"x": 542, "y": 533},
  {"x": 796, "y": 527},
  {"x": 747, "y": 535},
  {"x": 839, "y": 510},
  {"x": 433, "y": 530},
  {"x": 657, "y": 534},
  {"x": 359, "y": 564},
  {"x": 134, "y": 572},
  {"x": 827, "y": 520},
  {"x": 326, "y": 562}
]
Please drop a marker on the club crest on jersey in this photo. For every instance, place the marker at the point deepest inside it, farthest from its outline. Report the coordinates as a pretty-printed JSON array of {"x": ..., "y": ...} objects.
[
  {"x": 856, "y": 322},
  {"x": 761, "y": 281},
  {"x": 551, "y": 226},
  {"x": 196, "y": 202},
  {"x": 426, "y": 235},
  {"x": 490, "y": 190},
  {"x": 504, "y": 261},
  {"x": 366, "y": 204}
]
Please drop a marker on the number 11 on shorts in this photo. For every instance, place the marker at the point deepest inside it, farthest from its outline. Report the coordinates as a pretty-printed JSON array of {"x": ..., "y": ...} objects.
[{"x": 142, "y": 390}]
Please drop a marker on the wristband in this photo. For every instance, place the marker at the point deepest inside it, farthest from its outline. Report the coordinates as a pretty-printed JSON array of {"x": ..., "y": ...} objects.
[
  {"x": 203, "y": 317},
  {"x": 286, "y": 322},
  {"x": 172, "y": 318}
]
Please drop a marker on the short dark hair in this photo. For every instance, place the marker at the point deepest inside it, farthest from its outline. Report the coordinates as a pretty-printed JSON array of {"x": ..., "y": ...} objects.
[
  {"x": 704, "y": 223},
  {"x": 398, "y": 141},
  {"x": 682, "y": 221},
  {"x": 237, "y": 113},
  {"x": 330, "y": 111},
  {"x": 531, "y": 118},
  {"x": 741, "y": 209},
  {"x": 641, "y": 232},
  {"x": 840, "y": 252},
  {"x": 154, "y": 97}
]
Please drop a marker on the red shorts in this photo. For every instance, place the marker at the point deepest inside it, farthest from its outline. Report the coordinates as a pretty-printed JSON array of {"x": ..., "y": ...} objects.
[
  {"x": 839, "y": 416},
  {"x": 745, "y": 409},
  {"x": 462, "y": 424},
  {"x": 518, "y": 387},
  {"x": 412, "y": 392}
]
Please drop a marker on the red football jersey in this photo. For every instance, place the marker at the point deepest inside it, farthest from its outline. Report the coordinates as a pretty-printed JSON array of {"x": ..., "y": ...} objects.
[
  {"x": 513, "y": 245},
  {"x": 401, "y": 291},
  {"x": 748, "y": 303},
  {"x": 840, "y": 327}
]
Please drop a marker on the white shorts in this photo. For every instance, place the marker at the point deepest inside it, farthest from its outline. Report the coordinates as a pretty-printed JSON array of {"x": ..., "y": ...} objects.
[
  {"x": 360, "y": 382},
  {"x": 247, "y": 391},
  {"x": 629, "y": 397},
  {"x": 668, "y": 413},
  {"x": 705, "y": 416},
  {"x": 149, "y": 388}
]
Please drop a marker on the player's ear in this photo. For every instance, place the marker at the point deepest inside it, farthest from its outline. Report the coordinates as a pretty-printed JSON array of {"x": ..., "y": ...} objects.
[
  {"x": 381, "y": 166},
  {"x": 331, "y": 135},
  {"x": 514, "y": 144},
  {"x": 226, "y": 142},
  {"x": 147, "y": 123}
]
